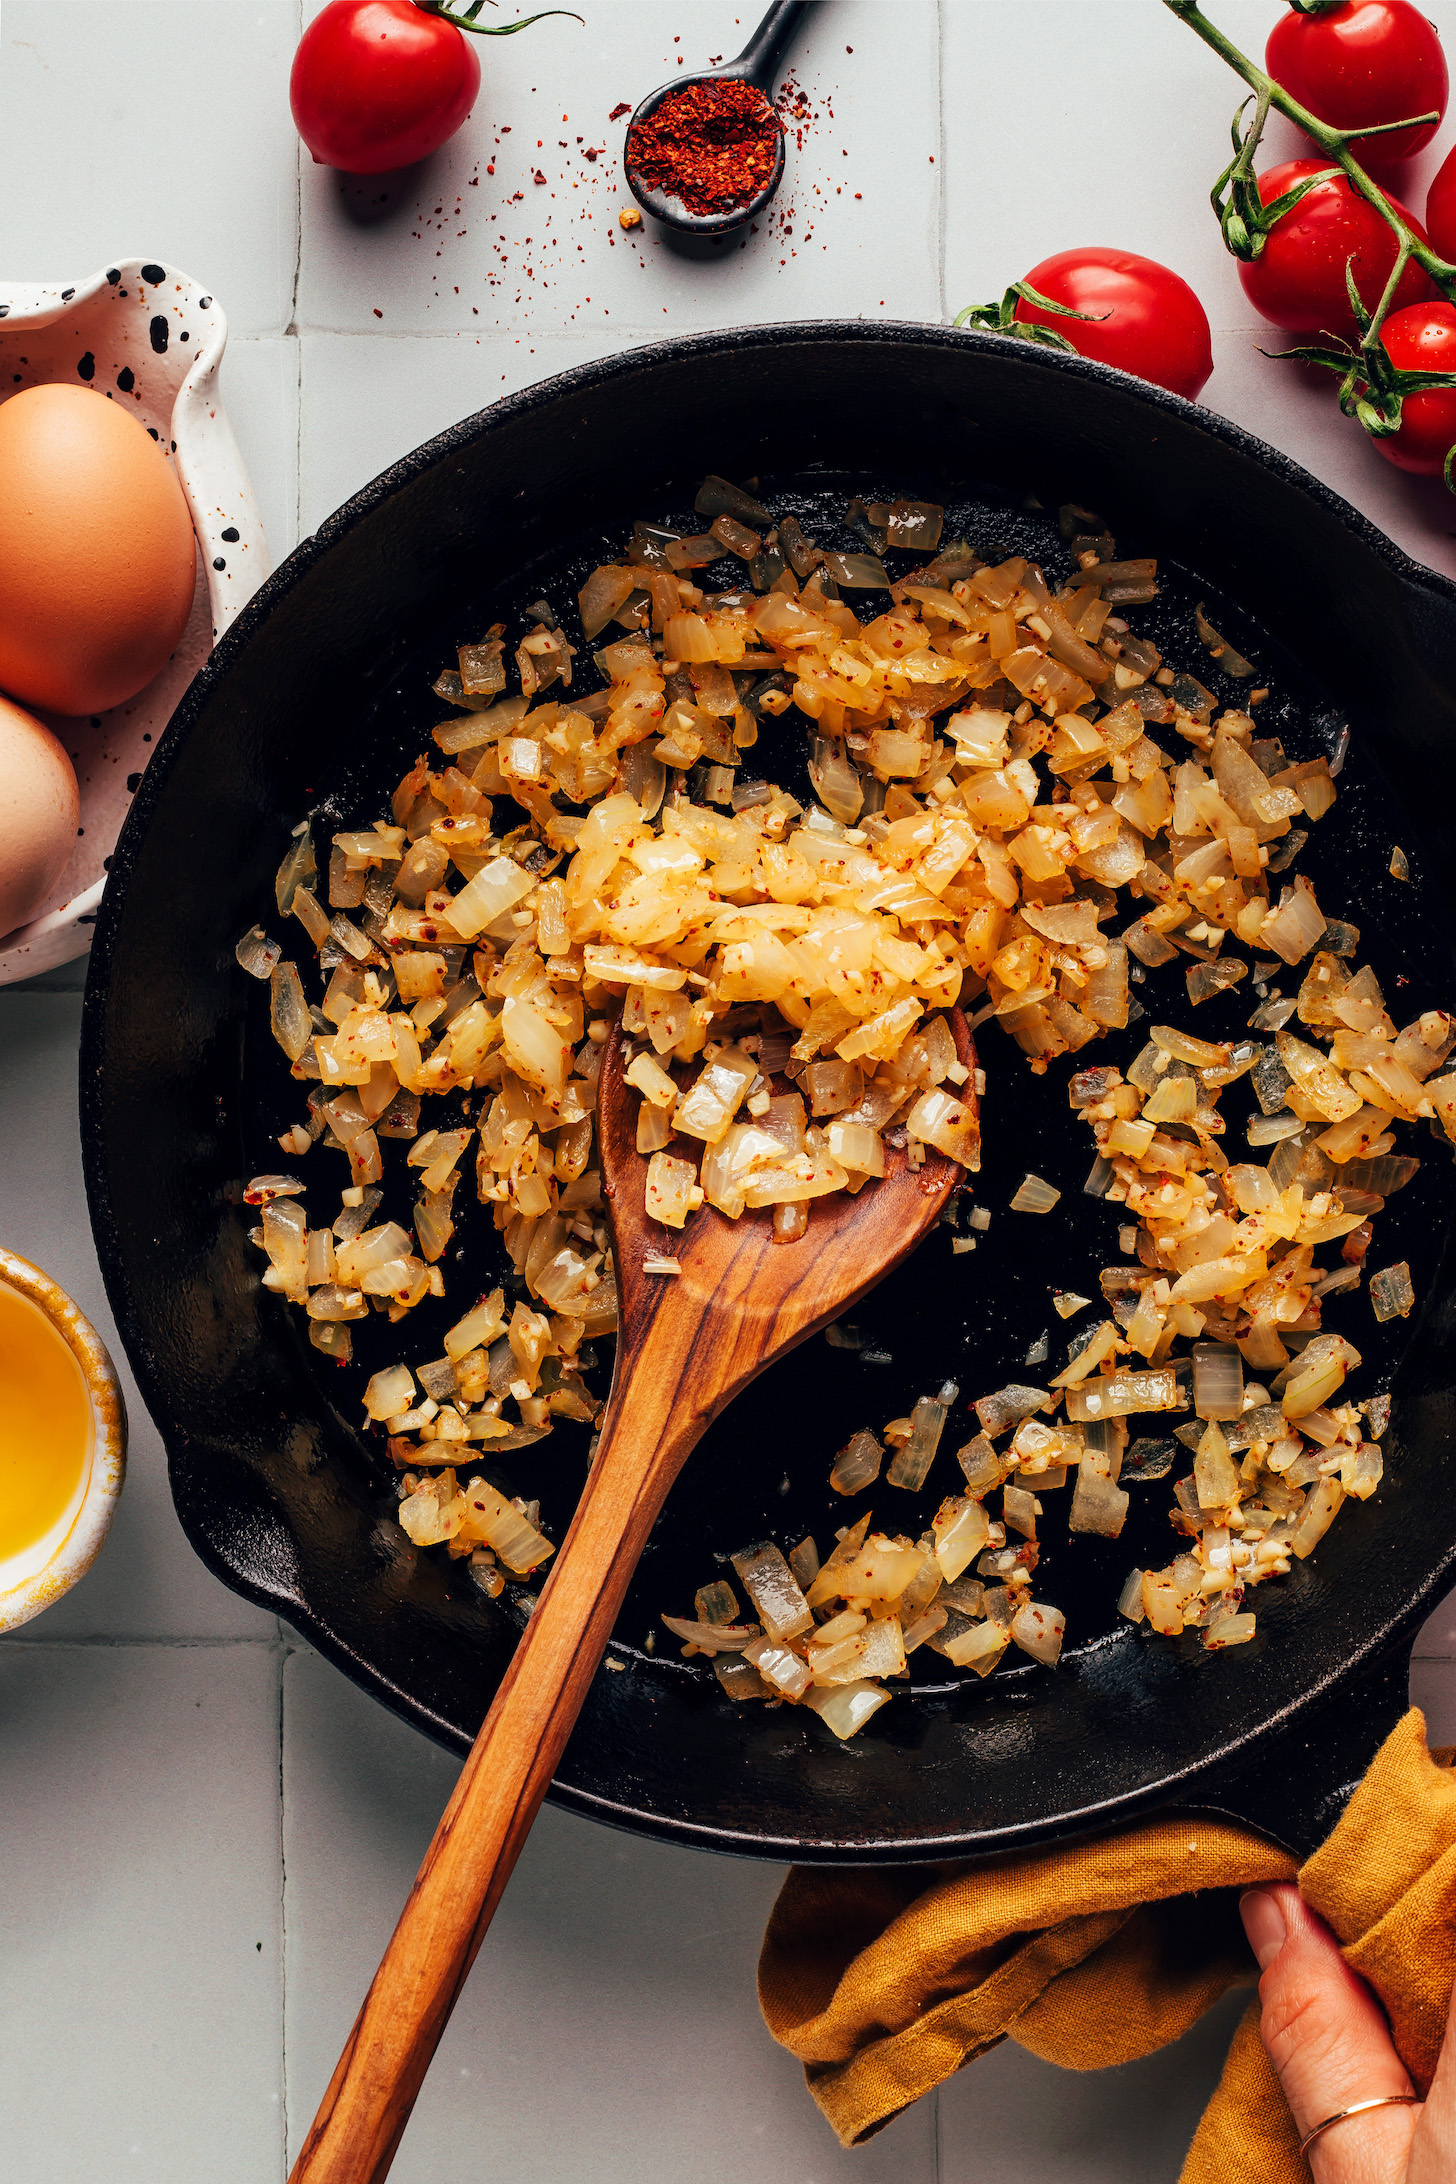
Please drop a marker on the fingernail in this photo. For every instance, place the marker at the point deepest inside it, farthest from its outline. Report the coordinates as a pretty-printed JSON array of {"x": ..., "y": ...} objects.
[{"x": 1264, "y": 1924}]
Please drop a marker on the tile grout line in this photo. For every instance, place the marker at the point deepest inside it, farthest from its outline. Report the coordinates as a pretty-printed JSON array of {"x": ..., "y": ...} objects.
[
  {"x": 285, "y": 1653},
  {"x": 293, "y": 327},
  {"x": 12, "y": 1643},
  {"x": 938, "y": 201},
  {"x": 493, "y": 334}
]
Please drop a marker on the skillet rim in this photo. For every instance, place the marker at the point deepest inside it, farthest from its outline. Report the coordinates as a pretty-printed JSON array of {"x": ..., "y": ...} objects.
[{"x": 1181, "y": 1785}]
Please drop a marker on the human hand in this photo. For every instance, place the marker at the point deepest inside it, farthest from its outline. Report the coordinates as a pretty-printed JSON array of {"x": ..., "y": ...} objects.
[{"x": 1327, "y": 2037}]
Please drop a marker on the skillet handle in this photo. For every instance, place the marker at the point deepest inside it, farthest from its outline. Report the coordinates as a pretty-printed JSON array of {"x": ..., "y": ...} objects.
[{"x": 1296, "y": 1790}]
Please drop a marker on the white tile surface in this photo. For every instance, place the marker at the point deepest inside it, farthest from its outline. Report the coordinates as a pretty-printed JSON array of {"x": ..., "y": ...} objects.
[
  {"x": 399, "y": 392},
  {"x": 147, "y": 1583},
  {"x": 1127, "y": 2126},
  {"x": 452, "y": 245},
  {"x": 1433, "y": 1690},
  {"x": 1293, "y": 408},
  {"x": 1108, "y": 124},
  {"x": 259, "y": 384},
  {"x": 1437, "y": 1639},
  {"x": 140, "y": 1919},
  {"x": 124, "y": 136},
  {"x": 1055, "y": 136},
  {"x": 1132, "y": 116},
  {"x": 611, "y": 2008}
]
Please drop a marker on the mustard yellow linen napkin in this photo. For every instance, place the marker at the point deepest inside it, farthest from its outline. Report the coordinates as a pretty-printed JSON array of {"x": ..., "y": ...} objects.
[{"x": 885, "y": 1982}]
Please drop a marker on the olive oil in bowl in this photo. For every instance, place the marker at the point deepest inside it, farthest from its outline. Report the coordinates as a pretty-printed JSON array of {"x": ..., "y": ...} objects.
[
  {"x": 62, "y": 1441},
  {"x": 47, "y": 1438}
]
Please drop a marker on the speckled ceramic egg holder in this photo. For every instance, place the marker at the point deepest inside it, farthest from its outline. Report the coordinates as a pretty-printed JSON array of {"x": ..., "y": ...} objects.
[{"x": 146, "y": 335}]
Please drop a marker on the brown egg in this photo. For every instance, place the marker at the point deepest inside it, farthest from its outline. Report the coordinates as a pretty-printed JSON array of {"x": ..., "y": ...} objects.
[
  {"x": 40, "y": 808},
  {"x": 97, "y": 556}
]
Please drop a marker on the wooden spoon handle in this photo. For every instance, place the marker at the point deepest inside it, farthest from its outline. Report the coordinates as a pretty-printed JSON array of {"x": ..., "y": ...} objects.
[{"x": 364, "y": 2112}]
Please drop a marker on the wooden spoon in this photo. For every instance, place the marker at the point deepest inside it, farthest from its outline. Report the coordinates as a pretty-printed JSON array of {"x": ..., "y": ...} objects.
[{"x": 687, "y": 1345}]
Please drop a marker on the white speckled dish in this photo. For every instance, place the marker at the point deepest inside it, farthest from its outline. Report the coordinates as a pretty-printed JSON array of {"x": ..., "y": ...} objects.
[
  {"x": 147, "y": 335},
  {"x": 28, "y": 1585}
]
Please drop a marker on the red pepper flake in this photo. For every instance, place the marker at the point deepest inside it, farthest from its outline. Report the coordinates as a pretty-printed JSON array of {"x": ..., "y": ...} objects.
[
  {"x": 711, "y": 145},
  {"x": 538, "y": 176},
  {"x": 618, "y": 111}
]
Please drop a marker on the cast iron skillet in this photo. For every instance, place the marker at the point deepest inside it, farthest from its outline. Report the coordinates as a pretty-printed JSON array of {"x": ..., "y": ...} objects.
[{"x": 316, "y": 700}]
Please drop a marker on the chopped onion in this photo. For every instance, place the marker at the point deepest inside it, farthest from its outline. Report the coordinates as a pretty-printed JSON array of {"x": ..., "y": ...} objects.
[
  {"x": 1121, "y": 1394},
  {"x": 1296, "y": 926},
  {"x": 804, "y": 1563},
  {"x": 1218, "y": 1378},
  {"x": 846, "y": 1708},
  {"x": 720, "y": 497},
  {"x": 1039, "y": 1631},
  {"x": 389, "y": 1392},
  {"x": 865, "y": 571},
  {"x": 739, "y": 1678},
  {"x": 292, "y": 1024},
  {"x": 495, "y": 888},
  {"x": 1231, "y": 662},
  {"x": 256, "y": 953},
  {"x": 774, "y": 1590},
  {"x": 297, "y": 869},
  {"x": 713, "y": 1637},
  {"x": 857, "y": 1464},
  {"x": 1317, "y": 1516},
  {"x": 521, "y": 1546},
  {"x": 1099, "y": 1504},
  {"x": 822, "y": 945},
  {"x": 961, "y": 1529},
  {"x": 910, "y": 1464},
  {"x": 285, "y": 1239},
  {"x": 264, "y": 1188},
  {"x": 1034, "y": 1196},
  {"x": 1391, "y": 1294}
]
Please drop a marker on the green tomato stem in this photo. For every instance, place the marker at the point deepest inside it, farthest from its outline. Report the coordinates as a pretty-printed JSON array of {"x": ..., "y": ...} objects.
[
  {"x": 1334, "y": 142},
  {"x": 1372, "y": 389},
  {"x": 466, "y": 20}
]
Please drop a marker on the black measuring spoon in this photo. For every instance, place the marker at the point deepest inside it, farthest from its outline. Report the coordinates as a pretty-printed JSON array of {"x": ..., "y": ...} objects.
[{"x": 757, "y": 64}]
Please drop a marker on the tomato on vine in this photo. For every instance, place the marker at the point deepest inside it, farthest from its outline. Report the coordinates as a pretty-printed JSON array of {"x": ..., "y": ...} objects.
[
  {"x": 1298, "y": 278},
  {"x": 1115, "y": 306},
  {"x": 1418, "y": 341},
  {"x": 1441, "y": 207},
  {"x": 1321, "y": 248},
  {"x": 1361, "y": 63},
  {"x": 379, "y": 84}
]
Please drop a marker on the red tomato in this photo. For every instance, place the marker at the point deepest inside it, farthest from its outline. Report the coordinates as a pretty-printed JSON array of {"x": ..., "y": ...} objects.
[
  {"x": 1423, "y": 339},
  {"x": 1368, "y": 61},
  {"x": 1298, "y": 278},
  {"x": 1441, "y": 207},
  {"x": 1147, "y": 320},
  {"x": 378, "y": 84}
]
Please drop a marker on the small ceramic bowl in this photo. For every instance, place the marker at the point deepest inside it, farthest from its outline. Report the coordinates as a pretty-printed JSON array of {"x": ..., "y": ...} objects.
[
  {"x": 27, "y": 1585},
  {"x": 146, "y": 335}
]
